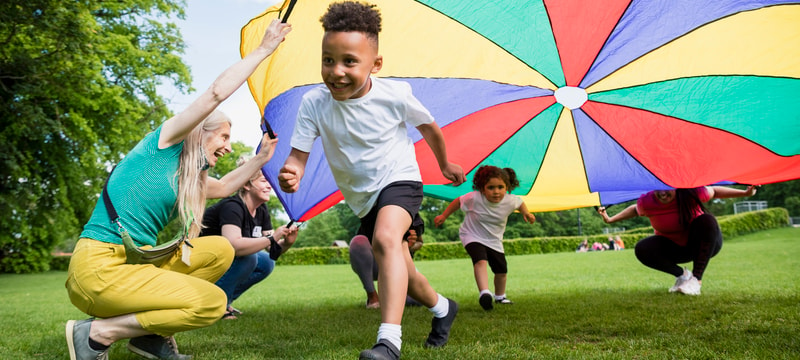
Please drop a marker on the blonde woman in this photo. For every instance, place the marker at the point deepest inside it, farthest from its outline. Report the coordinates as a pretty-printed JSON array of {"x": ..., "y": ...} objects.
[{"x": 164, "y": 176}]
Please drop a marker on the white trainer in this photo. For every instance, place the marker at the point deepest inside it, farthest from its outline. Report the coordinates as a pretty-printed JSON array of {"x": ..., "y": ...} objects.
[
  {"x": 681, "y": 279},
  {"x": 690, "y": 287}
]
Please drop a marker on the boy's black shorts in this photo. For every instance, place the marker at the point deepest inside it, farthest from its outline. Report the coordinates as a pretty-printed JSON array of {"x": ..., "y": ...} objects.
[{"x": 405, "y": 194}]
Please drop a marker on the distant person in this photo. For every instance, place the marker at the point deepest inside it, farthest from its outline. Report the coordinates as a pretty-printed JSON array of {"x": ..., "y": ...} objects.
[
  {"x": 583, "y": 246},
  {"x": 163, "y": 177},
  {"x": 362, "y": 122},
  {"x": 244, "y": 220},
  {"x": 618, "y": 243},
  {"x": 684, "y": 231},
  {"x": 598, "y": 246},
  {"x": 362, "y": 261},
  {"x": 486, "y": 214},
  {"x": 612, "y": 245}
]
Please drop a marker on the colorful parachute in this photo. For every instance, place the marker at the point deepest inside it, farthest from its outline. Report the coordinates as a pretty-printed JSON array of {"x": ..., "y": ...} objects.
[{"x": 591, "y": 102}]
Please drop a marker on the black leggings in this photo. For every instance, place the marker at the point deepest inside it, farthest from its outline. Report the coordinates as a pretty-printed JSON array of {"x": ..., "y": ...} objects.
[{"x": 661, "y": 253}]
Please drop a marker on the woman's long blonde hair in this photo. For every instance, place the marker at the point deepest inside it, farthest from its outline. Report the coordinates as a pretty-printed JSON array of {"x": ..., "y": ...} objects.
[{"x": 192, "y": 175}]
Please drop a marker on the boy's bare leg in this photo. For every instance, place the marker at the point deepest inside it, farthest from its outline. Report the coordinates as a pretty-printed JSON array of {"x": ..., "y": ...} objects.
[
  {"x": 398, "y": 277},
  {"x": 418, "y": 287},
  {"x": 390, "y": 253}
]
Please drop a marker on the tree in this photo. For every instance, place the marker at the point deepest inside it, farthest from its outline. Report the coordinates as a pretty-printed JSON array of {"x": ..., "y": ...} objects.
[
  {"x": 339, "y": 222},
  {"x": 77, "y": 90},
  {"x": 783, "y": 194},
  {"x": 430, "y": 209},
  {"x": 336, "y": 223}
]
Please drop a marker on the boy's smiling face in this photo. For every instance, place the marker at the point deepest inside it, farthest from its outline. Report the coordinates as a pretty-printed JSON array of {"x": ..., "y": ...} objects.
[{"x": 348, "y": 59}]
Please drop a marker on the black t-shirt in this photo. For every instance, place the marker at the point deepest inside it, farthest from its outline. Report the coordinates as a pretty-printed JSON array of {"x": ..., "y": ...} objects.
[{"x": 233, "y": 211}]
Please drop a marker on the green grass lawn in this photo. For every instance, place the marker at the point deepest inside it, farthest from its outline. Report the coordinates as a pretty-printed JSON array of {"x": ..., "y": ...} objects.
[{"x": 603, "y": 305}]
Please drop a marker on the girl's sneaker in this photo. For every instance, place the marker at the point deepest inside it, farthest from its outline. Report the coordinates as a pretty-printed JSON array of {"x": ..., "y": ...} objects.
[
  {"x": 486, "y": 301},
  {"x": 503, "y": 300}
]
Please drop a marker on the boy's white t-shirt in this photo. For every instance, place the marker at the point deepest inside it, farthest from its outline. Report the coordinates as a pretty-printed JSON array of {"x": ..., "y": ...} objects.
[
  {"x": 365, "y": 140},
  {"x": 484, "y": 221}
]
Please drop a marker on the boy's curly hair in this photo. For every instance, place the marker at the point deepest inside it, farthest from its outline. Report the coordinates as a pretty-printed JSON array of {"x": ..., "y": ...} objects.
[
  {"x": 487, "y": 172},
  {"x": 352, "y": 16}
]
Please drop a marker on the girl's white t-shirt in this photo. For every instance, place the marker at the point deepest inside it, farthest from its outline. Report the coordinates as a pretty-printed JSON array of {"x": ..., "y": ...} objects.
[
  {"x": 365, "y": 140},
  {"x": 484, "y": 221}
]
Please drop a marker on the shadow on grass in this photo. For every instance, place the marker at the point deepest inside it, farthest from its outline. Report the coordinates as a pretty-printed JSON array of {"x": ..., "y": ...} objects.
[{"x": 596, "y": 324}]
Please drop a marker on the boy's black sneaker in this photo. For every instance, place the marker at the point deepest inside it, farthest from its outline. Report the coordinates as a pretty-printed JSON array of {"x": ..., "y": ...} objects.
[
  {"x": 440, "y": 327},
  {"x": 383, "y": 350}
]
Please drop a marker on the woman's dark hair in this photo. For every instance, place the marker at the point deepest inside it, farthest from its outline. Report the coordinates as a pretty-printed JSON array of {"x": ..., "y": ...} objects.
[
  {"x": 350, "y": 16},
  {"x": 688, "y": 201},
  {"x": 487, "y": 172}
]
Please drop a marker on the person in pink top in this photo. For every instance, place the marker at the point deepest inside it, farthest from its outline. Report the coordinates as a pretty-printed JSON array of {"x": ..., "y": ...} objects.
[{"x": 684, "y": 231}]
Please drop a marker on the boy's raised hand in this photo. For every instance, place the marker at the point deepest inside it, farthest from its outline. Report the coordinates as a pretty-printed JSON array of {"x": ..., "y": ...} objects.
[
  {"x": 454, "y": 173},
  {"x": 288, "y": 179}
]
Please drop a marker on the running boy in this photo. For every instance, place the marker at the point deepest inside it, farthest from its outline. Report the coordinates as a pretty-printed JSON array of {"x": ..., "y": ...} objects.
[
  {"x": 487, "y": 210},
  {"x": 361, "y": 121}
]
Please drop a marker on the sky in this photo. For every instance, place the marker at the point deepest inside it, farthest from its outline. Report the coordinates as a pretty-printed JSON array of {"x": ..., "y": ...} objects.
[{"x": 211, "y": 32}]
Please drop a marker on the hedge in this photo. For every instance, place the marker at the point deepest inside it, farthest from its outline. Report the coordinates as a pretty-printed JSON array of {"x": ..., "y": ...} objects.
[{"x": 731, "y": 225}]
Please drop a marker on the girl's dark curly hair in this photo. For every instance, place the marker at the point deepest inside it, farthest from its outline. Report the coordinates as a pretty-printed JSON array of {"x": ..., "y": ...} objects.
[
  {"x": 687, "y": 201},
  {"x": 487, "y": 172},
  {"x": 350, "y": 16}
]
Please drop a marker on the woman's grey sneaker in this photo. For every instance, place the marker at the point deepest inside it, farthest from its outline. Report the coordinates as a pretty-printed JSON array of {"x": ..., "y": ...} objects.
[
  {"x": 156, "y": 348},
  {"x": 383, "y": 350},
  {"x": 440, "y": 327},
  {"x": 78, "y": 341}
]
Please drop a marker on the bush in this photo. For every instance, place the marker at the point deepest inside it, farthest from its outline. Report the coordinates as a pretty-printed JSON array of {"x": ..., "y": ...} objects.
[
  {"x": 749, "y": 222},
  {"x": 731, "y": 225},
  {"x": 60, "y": 262},
  {"x": 315, "y": 255}
]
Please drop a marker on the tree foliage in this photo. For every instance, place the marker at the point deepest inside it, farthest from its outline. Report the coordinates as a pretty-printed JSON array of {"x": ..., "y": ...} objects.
[
  {"x": 336, "y": 223},
  {"x": 339, "y": 223},
  {"x": 78, "y": 86},
  {"x": 783, "y": 194}
]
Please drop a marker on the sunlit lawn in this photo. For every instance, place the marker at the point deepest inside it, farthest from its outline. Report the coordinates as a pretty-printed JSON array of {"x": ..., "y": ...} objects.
[{"x": 602, "y": 305}]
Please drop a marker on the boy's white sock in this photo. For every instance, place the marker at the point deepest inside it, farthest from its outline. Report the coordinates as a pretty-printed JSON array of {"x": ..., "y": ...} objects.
[
  {"x": 441, "y": 308},
  {"x": 499, "y": 297},
  {"x": 485, "y": 291},
  {"x": 391, "y": 332}
]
